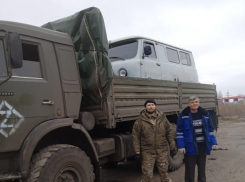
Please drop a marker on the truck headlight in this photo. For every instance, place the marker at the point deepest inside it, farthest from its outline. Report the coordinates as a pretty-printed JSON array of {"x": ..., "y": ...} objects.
[{"x": 123, "y": 72}]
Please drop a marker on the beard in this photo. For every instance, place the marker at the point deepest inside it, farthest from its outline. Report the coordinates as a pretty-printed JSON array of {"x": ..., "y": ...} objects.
[{"x": 151, "y": 111}]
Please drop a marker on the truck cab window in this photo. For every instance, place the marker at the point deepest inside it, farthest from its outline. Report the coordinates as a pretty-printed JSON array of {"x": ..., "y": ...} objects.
[
  {"x": 31, "y": 62},
  {"x": 122, "y": 51},
  {"x": 3, "y": 66},
  {"x": 185, "y": 58},
  {"x": 153, "y": 52},
  {"x": 172, "y": 55}
]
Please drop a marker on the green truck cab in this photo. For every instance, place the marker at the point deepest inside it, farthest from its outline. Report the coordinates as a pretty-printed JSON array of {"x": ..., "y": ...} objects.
[
  {"x": 43, "y": 96},
  {"x": 48, "y": 132}
]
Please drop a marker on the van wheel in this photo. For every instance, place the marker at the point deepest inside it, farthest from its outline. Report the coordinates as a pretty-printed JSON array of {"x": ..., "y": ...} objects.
[
  {"x": 174, "y": 162},
  {"x": 58, "y": 163}
]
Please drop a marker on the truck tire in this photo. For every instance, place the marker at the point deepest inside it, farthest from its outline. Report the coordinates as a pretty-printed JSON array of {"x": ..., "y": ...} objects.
[
  {"x": 174, "y": 162},
  {"x": 61, "y": 163}
]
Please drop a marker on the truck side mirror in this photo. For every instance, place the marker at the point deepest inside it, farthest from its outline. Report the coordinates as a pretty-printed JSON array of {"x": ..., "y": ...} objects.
[
  {"x": 15, "y": 46},
  {"x": 147, "y": 50}
]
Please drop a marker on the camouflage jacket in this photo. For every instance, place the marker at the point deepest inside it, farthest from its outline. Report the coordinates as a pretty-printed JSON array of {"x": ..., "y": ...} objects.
[{"x": 151, "y": 138}]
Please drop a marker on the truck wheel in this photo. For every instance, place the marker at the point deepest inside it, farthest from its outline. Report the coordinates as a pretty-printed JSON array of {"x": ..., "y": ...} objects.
[
  {"x": 175, "y": 161},
  {"x": 58, "y": 163}
]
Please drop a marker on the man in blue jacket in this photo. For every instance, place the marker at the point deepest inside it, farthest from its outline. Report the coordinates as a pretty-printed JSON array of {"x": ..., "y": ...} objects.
[{"x": 195, "y": 137}]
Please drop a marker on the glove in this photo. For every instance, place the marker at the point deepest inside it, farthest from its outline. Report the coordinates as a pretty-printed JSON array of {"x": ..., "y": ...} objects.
[
  {"x": 172, "y": 152},
  {"x": 215, "y": 147},
  {"x": 182, "y": 150}
]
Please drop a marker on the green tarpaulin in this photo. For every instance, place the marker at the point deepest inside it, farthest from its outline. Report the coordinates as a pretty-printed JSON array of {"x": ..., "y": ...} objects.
[{"x": 88, "y": 33}]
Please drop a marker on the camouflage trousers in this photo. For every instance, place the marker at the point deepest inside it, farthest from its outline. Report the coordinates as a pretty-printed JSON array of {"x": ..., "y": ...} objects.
[{"x": 148, "y": 163}]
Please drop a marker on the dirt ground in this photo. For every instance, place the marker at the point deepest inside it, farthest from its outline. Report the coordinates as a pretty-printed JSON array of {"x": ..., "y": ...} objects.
[{"x": 222, "y": 165}]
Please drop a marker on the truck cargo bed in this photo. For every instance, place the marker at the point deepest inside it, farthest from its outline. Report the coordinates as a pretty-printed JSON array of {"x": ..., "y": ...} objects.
[{"x": 127, "y": 96}]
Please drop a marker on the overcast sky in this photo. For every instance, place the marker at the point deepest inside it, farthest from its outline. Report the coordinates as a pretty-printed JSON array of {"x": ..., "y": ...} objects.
[{"x": 214, "y": 31}]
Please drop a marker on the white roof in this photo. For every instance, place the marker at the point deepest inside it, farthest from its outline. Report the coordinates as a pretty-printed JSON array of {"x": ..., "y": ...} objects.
[{"x": 141, "y": 37}]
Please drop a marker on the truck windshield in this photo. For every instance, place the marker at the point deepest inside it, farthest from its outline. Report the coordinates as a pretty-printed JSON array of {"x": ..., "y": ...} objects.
[
  {"x": 123, "y": 50},
  {"x": 3, "y": 67}
]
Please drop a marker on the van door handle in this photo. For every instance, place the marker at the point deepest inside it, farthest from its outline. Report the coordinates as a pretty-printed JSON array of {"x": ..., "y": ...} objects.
[
  {"x": 158, "y": 64},
  {"x": 48, "y": 102}
]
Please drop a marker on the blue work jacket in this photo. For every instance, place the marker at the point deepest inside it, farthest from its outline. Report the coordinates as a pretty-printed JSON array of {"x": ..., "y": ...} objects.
[{"x": 186, "y": 136}]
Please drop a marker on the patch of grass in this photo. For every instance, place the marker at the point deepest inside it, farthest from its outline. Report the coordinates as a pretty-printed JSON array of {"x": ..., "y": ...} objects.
[
  {"x": 232, "y": 119},
  {"x": 233, "y": 111}
]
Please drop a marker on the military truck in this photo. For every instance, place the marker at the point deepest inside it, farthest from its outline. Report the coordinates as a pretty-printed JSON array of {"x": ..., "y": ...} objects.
[{"x": 61, "y": 123}]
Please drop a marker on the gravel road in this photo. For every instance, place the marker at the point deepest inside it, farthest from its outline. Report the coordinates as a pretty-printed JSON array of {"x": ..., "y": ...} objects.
[{"x": 222, "y": 165}]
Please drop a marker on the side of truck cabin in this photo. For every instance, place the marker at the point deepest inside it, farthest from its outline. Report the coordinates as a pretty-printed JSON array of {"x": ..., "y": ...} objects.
[
  {"x": 39, "y": 103},
  {"x": 129, "y": 57}
]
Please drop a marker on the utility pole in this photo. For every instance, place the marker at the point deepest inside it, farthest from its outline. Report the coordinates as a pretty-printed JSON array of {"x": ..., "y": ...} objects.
[{"x": 227, "y": 94}]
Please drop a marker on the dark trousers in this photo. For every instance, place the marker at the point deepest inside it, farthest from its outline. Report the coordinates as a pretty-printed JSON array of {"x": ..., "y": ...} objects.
[{"x": 190, "y": 164}]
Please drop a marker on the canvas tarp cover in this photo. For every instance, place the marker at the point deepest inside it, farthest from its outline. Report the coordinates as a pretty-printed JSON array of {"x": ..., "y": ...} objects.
[{"x": 87, "y": 31}]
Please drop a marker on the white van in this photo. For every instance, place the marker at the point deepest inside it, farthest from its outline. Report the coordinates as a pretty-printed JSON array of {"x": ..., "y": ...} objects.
[{"x": 147, "y": 58}]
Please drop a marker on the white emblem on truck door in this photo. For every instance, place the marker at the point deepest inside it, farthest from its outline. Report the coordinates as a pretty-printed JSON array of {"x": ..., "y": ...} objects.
[{"x": 10, "y": 119}]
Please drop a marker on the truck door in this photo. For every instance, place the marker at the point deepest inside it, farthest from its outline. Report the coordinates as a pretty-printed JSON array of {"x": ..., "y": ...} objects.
[
  {"x": 33, "y": 95},
  {"x": 150, "y": 66}
]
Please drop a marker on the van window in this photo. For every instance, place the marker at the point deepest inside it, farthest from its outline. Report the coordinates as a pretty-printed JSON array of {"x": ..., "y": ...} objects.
[
  {"x": 172, "y": 55},
  {"x": 161, "y": 52},
  {"x": 123, "y": 50},
  {"x": 31, "y": 62},
  {"x": 153, "y": 52},
  {"x": 185, "y": 58},
  {"x": 3, "y": 66}
]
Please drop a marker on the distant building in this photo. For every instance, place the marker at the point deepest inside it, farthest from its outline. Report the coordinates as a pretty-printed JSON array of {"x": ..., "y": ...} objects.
[{"x": 233, "y": 98}]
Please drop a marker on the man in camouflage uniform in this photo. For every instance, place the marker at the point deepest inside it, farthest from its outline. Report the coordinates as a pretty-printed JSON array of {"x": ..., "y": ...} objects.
[{"x": 151, "y": 134}]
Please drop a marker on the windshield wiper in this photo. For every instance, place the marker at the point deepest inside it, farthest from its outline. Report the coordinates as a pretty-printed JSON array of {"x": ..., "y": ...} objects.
[{"x": 116, "y": 58}]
